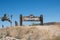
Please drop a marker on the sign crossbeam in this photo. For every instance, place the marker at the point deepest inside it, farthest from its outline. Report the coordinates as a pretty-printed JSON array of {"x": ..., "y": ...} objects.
[{"x": 30, "y": 19}]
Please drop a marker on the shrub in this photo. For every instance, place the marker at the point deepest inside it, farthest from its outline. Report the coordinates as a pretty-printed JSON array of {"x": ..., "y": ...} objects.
[
  {"x": 0, "y": 35},
  {"x": 57, "y": 38},
  {"x": 7, "y": 33}
]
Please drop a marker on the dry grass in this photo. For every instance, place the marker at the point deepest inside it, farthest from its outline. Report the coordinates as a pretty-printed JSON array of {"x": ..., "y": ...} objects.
[{"x": 51, "y": 32}]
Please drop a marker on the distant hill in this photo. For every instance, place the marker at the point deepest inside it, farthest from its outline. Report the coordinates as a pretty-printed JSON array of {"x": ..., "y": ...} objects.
[
  {"x": 52, "y": 23},
  {"x": 49, "y": 23}
]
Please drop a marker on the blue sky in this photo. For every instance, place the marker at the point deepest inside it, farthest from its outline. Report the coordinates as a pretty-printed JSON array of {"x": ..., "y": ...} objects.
[{"x": 49, "y": 8}]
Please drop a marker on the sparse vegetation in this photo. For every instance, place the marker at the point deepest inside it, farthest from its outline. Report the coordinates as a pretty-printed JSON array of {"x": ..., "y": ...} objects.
[{"x": 33, "y": 24}]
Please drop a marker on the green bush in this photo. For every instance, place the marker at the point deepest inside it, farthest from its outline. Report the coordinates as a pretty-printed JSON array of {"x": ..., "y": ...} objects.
[
  {"x": 7, "y": 33},
  {"x": 57, "y": 38},
  {"x": 0, "y": 35}
]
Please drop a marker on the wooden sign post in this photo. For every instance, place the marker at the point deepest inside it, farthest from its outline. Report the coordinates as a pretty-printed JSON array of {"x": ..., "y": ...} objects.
[
  {"x": 20, "y": 19},
  {"x": 41, "y": 19},
  {"x": 31, "y": 18}
]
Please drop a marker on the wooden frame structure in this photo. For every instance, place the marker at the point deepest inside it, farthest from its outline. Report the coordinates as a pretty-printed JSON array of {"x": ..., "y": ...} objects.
[{"x": 31, "y": 18}]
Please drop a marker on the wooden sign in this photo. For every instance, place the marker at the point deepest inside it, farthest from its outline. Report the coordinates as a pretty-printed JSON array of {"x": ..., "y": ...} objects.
[{"x": 31, "y": 18}]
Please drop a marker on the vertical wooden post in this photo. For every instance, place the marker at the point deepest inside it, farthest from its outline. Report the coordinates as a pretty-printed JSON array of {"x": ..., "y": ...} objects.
[
  {"x": 16, "y": 23},
  {"x": 2, "y": 26},
  {"x": 41, "y": 19},
  {"x": 20, "y": 19}
]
